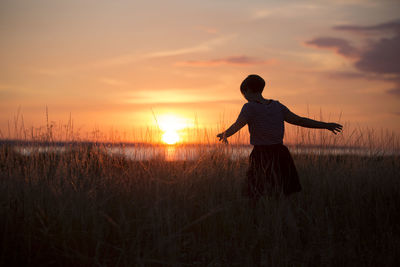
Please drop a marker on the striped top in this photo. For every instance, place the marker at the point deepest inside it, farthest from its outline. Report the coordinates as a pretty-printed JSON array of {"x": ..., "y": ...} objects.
[{"x": 265, "y": 122}]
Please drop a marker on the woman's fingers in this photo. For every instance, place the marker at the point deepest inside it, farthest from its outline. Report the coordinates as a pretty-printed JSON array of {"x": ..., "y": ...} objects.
[
  {"x": 338, "y": 128},
  {"x": 335, "y": 128},
  {"x": 222, "y": 138}
]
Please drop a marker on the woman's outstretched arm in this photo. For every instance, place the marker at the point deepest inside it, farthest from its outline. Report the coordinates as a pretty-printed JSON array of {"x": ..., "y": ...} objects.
[
  {"x": 236, "y": 126},
  {"x": 292, "y": 118}
]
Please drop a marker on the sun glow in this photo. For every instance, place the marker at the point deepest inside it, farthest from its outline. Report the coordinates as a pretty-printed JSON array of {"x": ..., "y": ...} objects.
[
  {"x": 171, "y": 125},
  {"x": 170, "y": 137}
]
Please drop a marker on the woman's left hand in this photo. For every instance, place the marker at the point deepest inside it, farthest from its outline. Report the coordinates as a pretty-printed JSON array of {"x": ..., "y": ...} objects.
[{"x": 334, "y": 127}]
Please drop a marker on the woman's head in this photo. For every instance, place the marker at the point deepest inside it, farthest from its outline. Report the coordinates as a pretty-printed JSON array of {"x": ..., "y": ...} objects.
[{"x": 252, "y": 84}]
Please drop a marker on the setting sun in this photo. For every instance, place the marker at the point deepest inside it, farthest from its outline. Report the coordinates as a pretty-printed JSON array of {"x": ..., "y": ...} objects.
[
  {"x": 170, "y": 137},
  {"x": 171, "y": 125}
]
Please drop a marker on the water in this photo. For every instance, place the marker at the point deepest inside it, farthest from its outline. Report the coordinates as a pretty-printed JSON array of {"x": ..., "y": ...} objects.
[
  {"x": 178, "y": 153},
  {"x": 168, "y": 153}
]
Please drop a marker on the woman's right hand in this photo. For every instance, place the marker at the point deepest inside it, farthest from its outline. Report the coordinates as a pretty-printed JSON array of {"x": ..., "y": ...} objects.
[{"x": 222, "y": 137}]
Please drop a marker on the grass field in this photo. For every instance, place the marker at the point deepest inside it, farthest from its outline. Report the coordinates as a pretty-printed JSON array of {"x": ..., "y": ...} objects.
[{"x": 86, "y": 208}]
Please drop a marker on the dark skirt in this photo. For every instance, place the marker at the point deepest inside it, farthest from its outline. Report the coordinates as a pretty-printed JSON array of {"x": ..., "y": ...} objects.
[{"x": 271, "y": 172}]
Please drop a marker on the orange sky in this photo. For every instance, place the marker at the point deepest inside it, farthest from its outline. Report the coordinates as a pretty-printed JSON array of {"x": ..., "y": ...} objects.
[{"x": 115, "y": 63}]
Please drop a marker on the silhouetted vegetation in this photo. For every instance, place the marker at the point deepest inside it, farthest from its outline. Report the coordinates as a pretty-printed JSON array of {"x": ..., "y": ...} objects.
[{"x": 85, "y": 207}]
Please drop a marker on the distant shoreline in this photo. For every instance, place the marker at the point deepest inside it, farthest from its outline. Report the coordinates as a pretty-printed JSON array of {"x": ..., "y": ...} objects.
[{"x": 15, "y": 142}]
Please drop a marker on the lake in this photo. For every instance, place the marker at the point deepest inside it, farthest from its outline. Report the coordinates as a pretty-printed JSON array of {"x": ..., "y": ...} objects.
[{"x": 139, "y": 152}]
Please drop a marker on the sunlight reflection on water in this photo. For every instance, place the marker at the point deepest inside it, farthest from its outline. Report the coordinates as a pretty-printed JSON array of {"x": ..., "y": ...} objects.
[{"x": 177, "y": 153}]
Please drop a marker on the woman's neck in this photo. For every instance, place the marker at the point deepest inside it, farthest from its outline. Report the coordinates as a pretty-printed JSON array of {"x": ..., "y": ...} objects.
[{"x": 258, "y": 98}]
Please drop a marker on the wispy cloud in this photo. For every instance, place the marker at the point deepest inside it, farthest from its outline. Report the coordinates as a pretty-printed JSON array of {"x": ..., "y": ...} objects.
[
  {"x": 285, "y": 10},
  {"x": 134, "y": 57},
  {"x": 363, "y": 3},
  {"x": 234, "y": 60},
  {"x": 203, "y": 47},
  {"x": 262, "y": 13},
  {"x": 97, "y": 64},
  {"x": 144, "y": 96},
  {"x": 179, "y": 51},
  {"x": 187, "y": 105},
  {"x": 387, "y": 26}
]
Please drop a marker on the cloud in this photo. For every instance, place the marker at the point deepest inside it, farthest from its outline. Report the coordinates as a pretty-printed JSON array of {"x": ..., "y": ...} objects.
[
  {"x": 341, "y": 46},
  {"x": 380, "y": 59},
  {"x": 180, "y": 51},
  {"x": 286, "y": 10},
  {"x": 394, "y": 91},
  {"x": 169, "y": 96},
  {"x": 388, "y": 26},
  {"x": 383, "y": 55},
  {"x": 202, "y": 47},
  {"x": 133, "y": 57},
  {"x": 183, "y": 104},
  {"x": 234, "y": 60},
  {"x": 348, "y": 75}
]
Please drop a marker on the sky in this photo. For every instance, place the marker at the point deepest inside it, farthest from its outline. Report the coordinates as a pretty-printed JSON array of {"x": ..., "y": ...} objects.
[{"x": 123, "y": 64}]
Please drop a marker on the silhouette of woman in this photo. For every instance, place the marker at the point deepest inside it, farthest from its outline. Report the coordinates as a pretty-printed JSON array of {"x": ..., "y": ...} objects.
[{"x": 271, "y": 167}]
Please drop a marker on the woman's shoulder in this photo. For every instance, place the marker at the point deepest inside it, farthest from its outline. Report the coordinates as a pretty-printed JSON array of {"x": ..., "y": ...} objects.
[
  {"x": 267, "y": 103},
  {"x": 280, "y": 106},
  {"x": 276, "y": 102},
  {"x": 272, "y": 103}
]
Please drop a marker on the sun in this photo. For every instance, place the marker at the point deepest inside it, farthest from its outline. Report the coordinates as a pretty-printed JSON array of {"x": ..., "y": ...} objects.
[
  {"x": 170, "y": 137},
  {"x": 171, "y": 125}
]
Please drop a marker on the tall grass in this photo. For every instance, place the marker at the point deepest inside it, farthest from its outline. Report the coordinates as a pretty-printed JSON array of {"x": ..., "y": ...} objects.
[
  {"x": 84, "y": 207},
  {"x": 352, "y": 136}
]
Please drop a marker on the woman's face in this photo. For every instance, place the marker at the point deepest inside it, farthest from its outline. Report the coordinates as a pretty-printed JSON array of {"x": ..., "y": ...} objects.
[
  {"x": 248, "y": 95},
  {"x": 245, "y": 95}
]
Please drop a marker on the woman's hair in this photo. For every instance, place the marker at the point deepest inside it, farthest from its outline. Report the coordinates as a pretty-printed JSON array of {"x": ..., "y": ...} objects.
[{"x": 252, "y": 83}]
